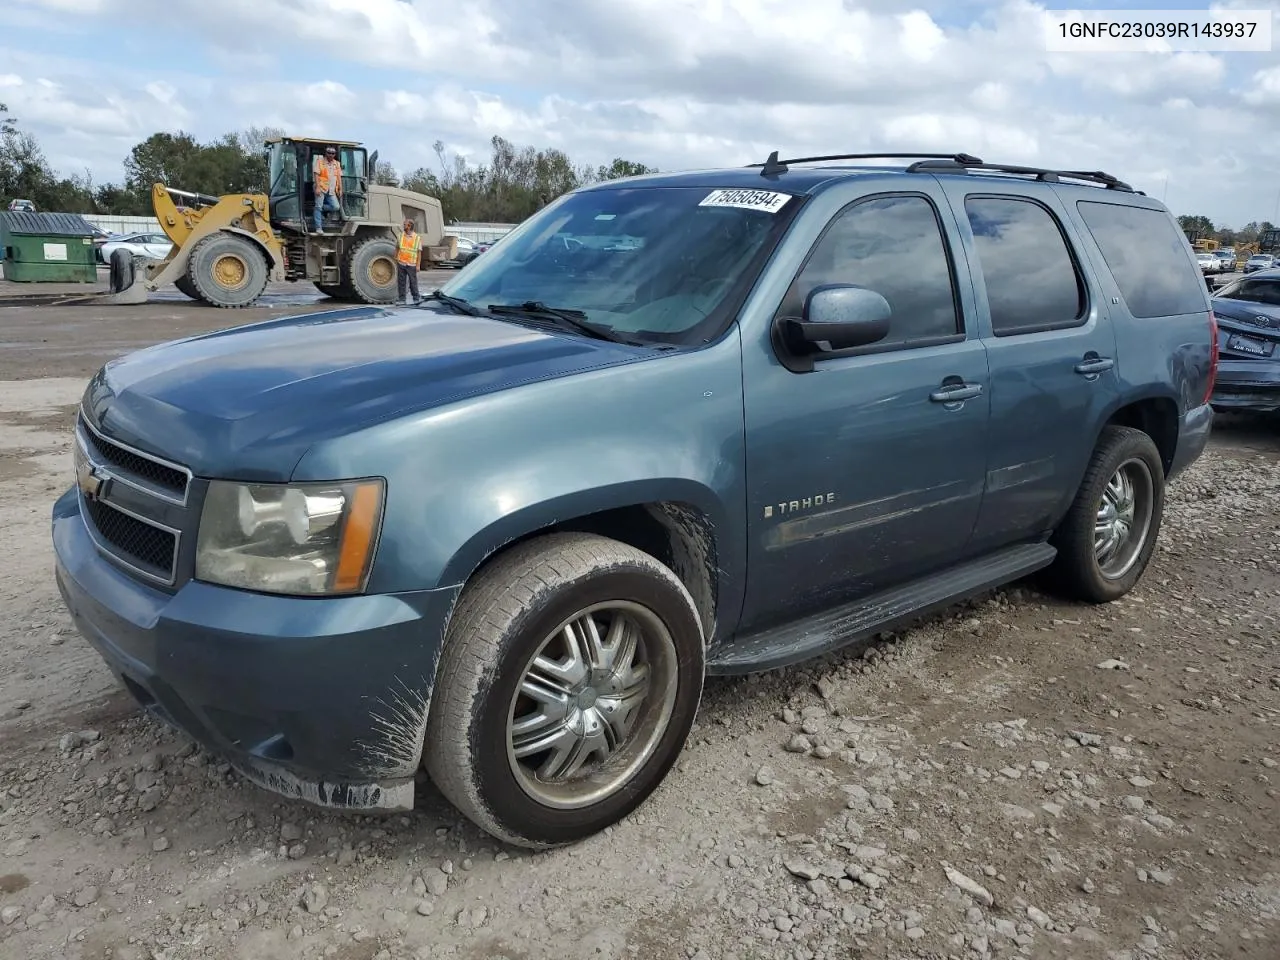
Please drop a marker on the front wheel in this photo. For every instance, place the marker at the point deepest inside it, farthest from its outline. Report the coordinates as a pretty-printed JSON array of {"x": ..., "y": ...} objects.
[
  {"x": 570, "y": 678},
  {"x": 1108, "y": 536},
  {"x": 371, "y": 271},
  {"x": 227, "y": 270}
]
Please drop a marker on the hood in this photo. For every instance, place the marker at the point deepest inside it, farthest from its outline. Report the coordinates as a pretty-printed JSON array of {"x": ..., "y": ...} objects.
[{"x": 246, "y": 403}]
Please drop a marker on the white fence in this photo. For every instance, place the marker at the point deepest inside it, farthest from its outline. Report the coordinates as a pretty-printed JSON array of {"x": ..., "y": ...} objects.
[
  {"x": 479, "y": 232},
  {"x": 114, "y": 224},
  {"x": 476, "y": 232}
]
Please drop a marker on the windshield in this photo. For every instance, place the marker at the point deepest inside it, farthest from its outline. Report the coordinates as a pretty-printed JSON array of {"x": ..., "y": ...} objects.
[{"x": 651, "y": 263}]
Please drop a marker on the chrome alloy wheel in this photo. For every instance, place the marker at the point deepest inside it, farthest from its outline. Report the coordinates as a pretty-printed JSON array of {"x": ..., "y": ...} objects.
[
  {"x": 592, "y": 704},
  {"x": 1124, "y": 518}
]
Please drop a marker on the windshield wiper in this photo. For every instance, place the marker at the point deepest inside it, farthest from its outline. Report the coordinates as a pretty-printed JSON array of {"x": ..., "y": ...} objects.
[
  {"x": 573, "y": 319},
  {"x": 462, "y": 306}
]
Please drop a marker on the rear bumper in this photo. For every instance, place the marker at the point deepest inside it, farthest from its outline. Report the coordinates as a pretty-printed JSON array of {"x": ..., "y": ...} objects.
[
  {"x": 1248, "y": 385},
  {"x": 1193, "y": 437},
  {"x": 324, "y": 700}
]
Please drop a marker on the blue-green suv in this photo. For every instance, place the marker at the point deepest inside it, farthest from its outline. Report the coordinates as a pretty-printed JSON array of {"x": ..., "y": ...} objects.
[{"x": 711, "y": 422}]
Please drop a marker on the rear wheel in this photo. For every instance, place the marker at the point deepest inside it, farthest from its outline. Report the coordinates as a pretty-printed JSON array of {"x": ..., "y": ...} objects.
[
  {"x": 227, "y": 270},
  {"x": 371, "y": 270},
  {"x": 570, "y": 678},
  {"x": 1108, "y": 536}
]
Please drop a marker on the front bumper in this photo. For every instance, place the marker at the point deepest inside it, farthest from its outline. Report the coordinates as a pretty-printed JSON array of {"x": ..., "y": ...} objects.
[
  {"x": 322, "y": 699},
  {"x": 1252, "y": 385}
]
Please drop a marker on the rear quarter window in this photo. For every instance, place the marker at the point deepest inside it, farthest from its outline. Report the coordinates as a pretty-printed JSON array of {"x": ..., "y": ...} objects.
[{"x": 1147, "y": 256}]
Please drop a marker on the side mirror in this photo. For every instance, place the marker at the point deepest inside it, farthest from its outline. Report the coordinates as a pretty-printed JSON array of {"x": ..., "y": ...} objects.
[{"x": 840, "y": 317}]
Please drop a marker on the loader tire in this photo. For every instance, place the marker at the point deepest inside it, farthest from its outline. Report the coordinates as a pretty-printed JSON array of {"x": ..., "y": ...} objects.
[
  {"x": 371, "y": 271},
  {"x": 122, "y": 270},
  {"x": 186, "y": 287},
  {"x": 227, "y": 271}
]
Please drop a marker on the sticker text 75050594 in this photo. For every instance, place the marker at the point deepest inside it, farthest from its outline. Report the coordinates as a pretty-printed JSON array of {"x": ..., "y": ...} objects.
[{"x": 767, "y": 200}]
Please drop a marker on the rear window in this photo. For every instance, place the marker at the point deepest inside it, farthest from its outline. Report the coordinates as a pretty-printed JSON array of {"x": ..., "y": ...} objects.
[
  {"x": 1253, "y": 290},
  {"x": 1147, "y": 255}
]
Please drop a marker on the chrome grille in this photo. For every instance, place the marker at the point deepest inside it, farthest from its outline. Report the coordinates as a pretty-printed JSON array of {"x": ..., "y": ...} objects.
[
  {"x": 125, "y": 497},
  {"x": 165, "y": 479},
  {"x": 150, "y": 548}
]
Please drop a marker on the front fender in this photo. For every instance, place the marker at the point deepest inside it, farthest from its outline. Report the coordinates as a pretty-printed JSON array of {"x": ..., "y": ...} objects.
[
  {"x": 467, "y": 478},
  {"x": 573, "y": 504}
]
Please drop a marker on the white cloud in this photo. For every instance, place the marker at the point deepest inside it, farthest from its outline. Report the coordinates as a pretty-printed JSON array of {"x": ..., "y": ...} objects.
[
  {"x": 1264, "y": 90},
  {"x": 674, "y": 83}
]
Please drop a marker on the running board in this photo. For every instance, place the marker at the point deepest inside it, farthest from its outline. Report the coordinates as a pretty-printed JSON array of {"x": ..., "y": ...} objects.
[{"x": 832, "y": 629}]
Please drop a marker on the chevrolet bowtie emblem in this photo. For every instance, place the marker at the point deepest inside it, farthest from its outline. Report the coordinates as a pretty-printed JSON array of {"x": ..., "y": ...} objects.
[{"x": 92, "y": 484}]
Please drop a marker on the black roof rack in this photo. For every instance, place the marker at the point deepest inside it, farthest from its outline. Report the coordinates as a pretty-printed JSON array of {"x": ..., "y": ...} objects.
[
  {"x": 953, "y": 162},
  {"x": 963, "y": 165},
  {"x": 773, "y": 166}
]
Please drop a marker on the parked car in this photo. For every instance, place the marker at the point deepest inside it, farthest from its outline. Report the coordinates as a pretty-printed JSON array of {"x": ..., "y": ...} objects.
[
  {"x": 152, "y": 245},
  {"x": 1248, "y": 313},
  {"x": 22, "y": 206},
  {"x": 466, "y": 252},
  {"x": 100, "y": 237},
  {"x": 1260, "y": 261},
  {"x": 811, "y": 404},
  {"x": 1226, "y": 260},
  {"x": 1208, "y": 262}
]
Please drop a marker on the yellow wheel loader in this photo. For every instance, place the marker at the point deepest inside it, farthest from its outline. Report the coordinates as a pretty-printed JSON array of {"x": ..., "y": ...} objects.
[{"x": 226, "y": 249}]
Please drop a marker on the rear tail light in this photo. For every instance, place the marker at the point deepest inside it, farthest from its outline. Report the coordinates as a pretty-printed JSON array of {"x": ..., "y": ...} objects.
[{"x": 1213, "y": 357}]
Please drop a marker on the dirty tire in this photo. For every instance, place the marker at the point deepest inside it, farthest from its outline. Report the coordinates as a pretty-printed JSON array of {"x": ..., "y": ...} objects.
[
  {"x": 1077, "y": 573},
  {"x": 502, "y": 618},
  {"x": 122, "y": 272},
  {"x": 371, "y": 271},
  {"x": 227, "y": 270},
  {"x": 186, "y": 287}
]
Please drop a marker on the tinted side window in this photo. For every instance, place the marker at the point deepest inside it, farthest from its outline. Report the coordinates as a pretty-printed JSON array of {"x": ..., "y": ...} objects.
[
  {"x": 1147, "y": 255},
  {"x": 894, "y": 246},
  {"x": 1031, "y": 278}
]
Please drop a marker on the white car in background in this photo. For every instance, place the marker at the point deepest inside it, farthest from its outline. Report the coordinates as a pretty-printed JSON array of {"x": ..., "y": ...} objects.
[
  {"x": 153, "y": 245},
  {"x": 1208, "y": 263}
]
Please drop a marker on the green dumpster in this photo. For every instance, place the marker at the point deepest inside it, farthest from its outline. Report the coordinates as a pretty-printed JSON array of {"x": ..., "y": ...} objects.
[{"x": 47, "y": 248}]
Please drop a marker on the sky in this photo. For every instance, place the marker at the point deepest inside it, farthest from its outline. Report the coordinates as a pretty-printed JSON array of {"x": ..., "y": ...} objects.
[{"x": 675, "y": 84}]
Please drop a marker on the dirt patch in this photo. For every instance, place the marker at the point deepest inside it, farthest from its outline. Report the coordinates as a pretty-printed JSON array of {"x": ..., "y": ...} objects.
[{"x": 1108, "y": 775}]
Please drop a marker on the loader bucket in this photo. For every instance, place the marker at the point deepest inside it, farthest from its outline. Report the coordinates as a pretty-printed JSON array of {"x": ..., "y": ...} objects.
[{"x": 126, "y": 285}]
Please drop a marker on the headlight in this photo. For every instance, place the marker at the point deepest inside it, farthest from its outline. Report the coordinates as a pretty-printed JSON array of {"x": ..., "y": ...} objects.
[{"x": 310, "y": 538}]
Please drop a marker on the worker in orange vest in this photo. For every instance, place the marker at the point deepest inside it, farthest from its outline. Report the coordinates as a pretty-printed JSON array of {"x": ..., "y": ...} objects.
[
  {"x": 408, "y": 256},
  {"x": 328, "y": 186}
]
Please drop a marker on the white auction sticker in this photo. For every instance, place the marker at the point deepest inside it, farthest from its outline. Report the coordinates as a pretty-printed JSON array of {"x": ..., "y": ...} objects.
[{"x": 745, "y": 199}]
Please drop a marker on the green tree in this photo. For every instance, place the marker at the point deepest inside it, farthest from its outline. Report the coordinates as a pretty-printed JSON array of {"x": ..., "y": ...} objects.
[
  {"x": 1196, "y": 227},
  {"x": 515, "y": 182},
  {"x": 24, "y": 171},
  {"x": 623, "y": 168},
  {"x": 180, "y": 161}
]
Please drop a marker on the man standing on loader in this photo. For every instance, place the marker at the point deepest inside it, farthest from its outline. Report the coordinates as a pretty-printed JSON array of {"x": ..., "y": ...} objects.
[
  {"x": 327, "y": 178},
  {"x": 408, "y": 256}
]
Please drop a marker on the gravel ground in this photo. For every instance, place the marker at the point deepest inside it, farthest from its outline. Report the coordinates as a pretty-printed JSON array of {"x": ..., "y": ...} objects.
[{"x": 1019, "y": 777}]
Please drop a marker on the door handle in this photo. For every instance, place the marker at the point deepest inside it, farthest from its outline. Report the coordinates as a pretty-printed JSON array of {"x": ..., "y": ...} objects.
[
  {"x": 1094, "y": 366},
  {"x": 955, "y": 393}
]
